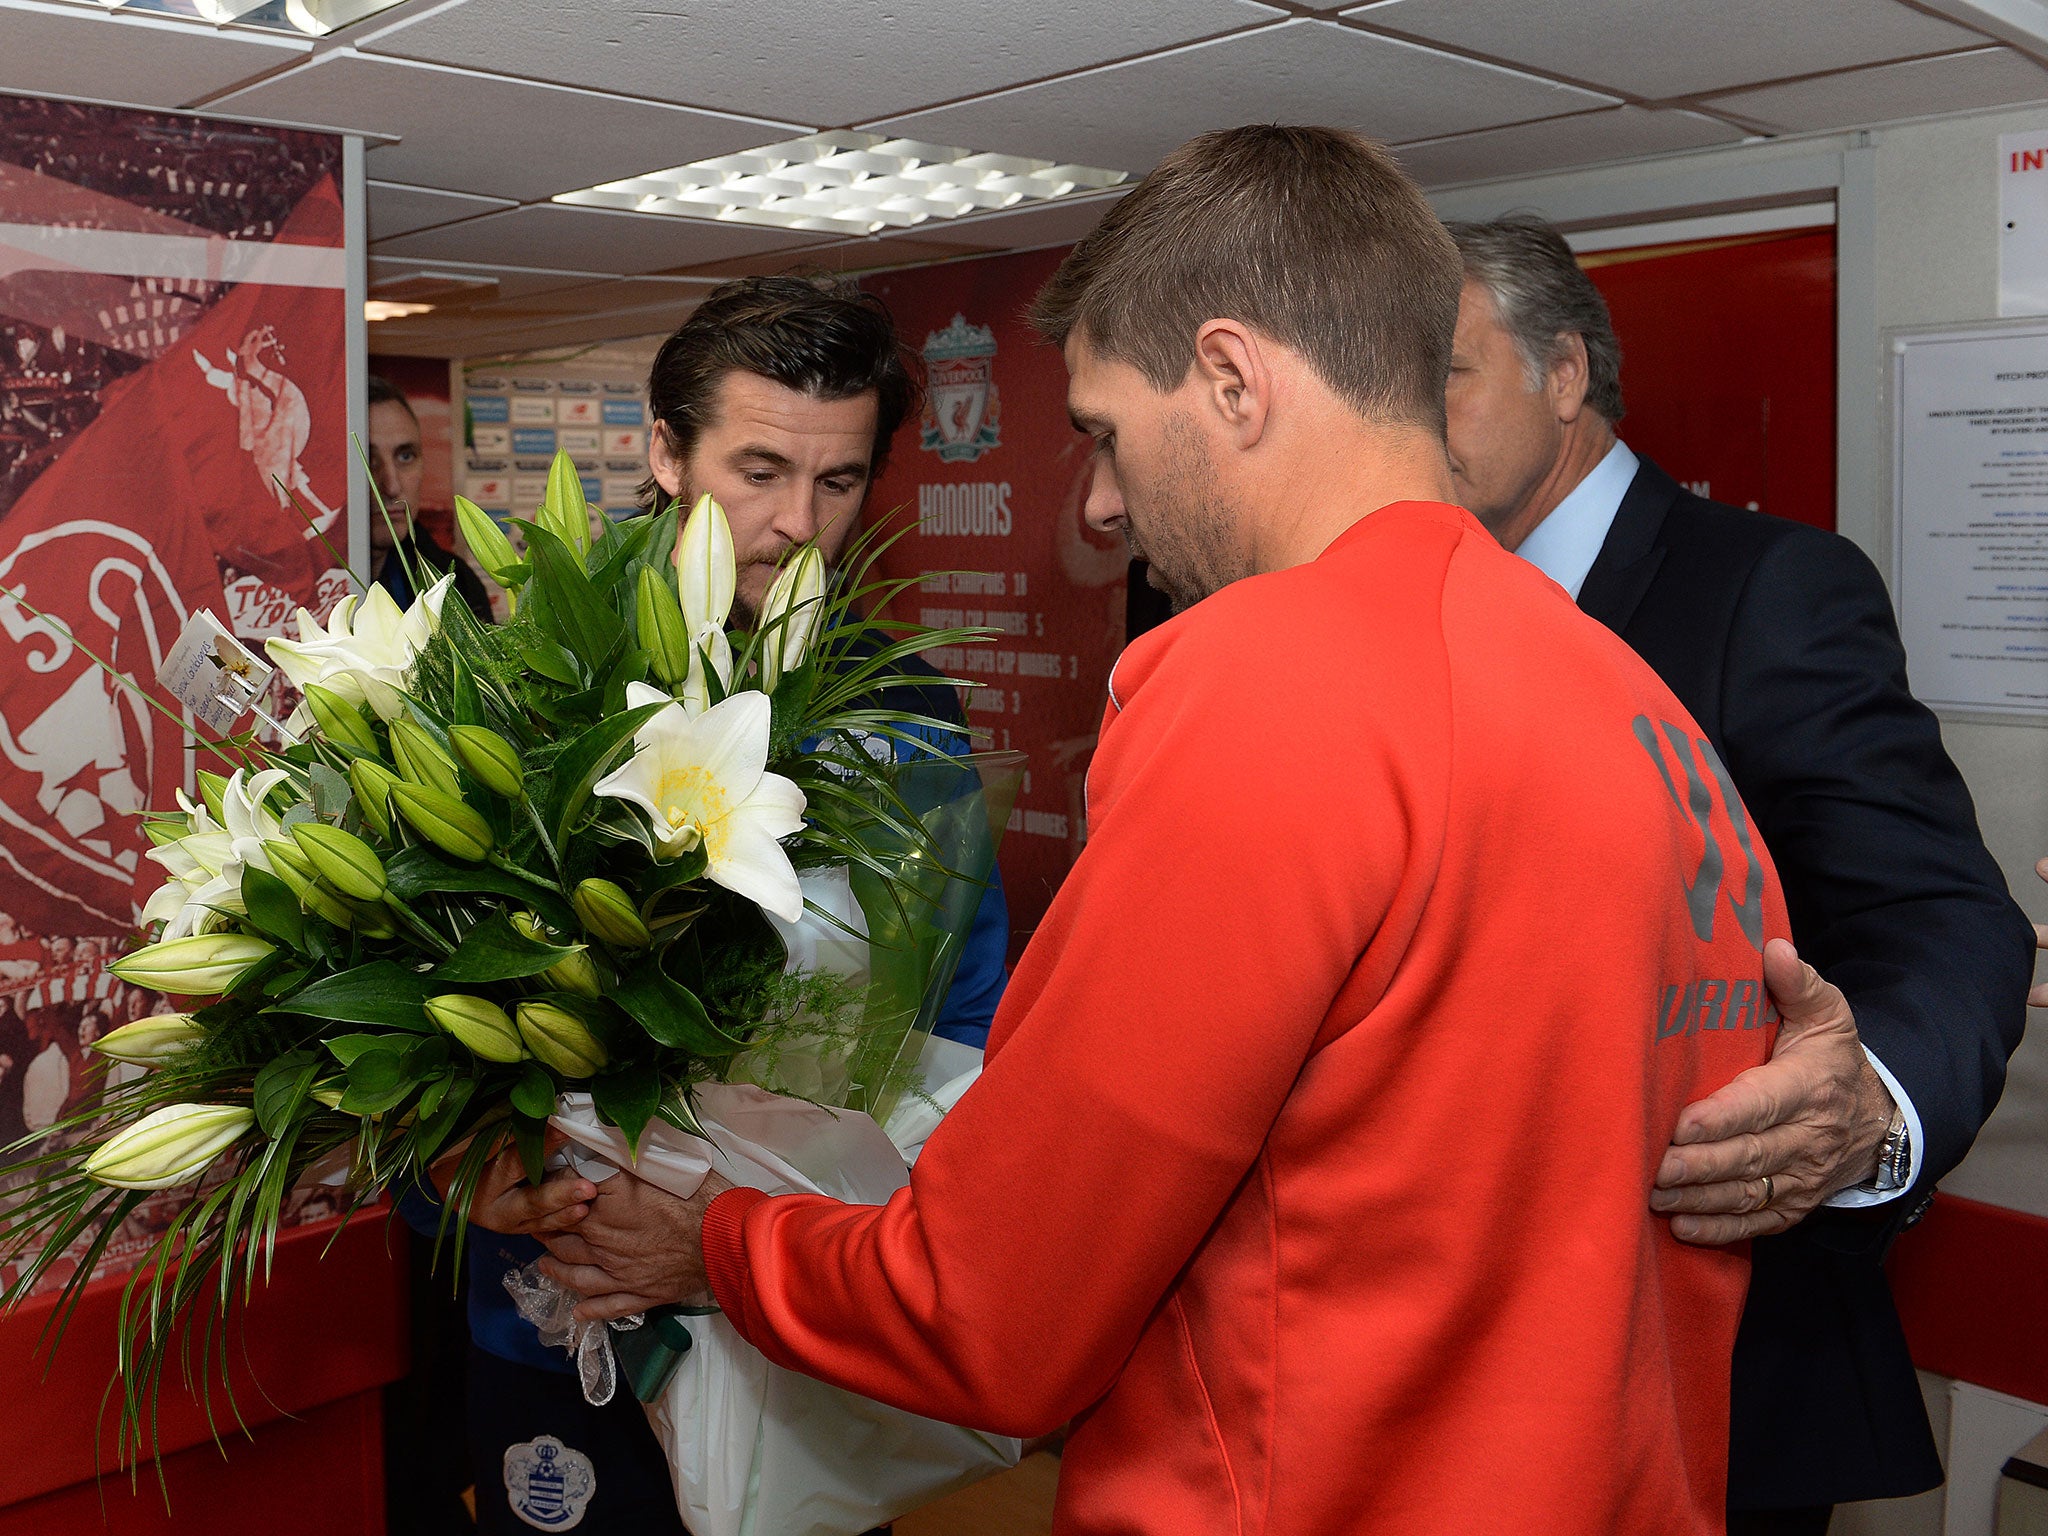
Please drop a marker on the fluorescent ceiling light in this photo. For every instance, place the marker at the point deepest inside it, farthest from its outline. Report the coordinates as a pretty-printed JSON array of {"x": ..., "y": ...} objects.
[
  {"x": 392, "y": 309},
  {"x": 849, "y": 183},
  {"x": 304, "y": 18}
]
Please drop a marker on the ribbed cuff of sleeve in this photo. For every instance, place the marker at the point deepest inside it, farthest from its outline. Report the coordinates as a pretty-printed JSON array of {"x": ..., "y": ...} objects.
[{"x": 725, "y": 1252}]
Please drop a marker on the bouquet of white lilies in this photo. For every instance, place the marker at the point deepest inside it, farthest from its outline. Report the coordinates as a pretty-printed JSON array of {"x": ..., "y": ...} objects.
[{"x": 584, "y": 864}]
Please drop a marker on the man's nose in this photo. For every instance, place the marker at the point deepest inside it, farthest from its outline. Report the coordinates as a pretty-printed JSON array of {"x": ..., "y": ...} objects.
[
  {"x": 800, "y": 515},
  {"x": 1104, "y": 507}
]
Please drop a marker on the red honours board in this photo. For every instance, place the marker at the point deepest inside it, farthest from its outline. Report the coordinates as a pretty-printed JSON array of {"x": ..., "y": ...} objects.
[
  {"x": 994, "y": 478},
  {"x": 1728, "y": 365}
]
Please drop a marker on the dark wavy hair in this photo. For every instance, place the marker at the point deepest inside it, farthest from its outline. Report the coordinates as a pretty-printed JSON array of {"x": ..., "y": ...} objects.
[{"x": 819, "y": 335}]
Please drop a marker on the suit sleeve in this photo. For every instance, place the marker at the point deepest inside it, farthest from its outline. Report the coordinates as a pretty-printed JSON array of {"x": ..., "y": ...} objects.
[
  {"x": 1892, "y": 894},
  {"x": 1234, "y": 873}
]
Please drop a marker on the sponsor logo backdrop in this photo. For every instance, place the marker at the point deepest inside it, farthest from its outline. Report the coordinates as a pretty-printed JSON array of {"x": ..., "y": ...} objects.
[{"x": 994, "y": 478}]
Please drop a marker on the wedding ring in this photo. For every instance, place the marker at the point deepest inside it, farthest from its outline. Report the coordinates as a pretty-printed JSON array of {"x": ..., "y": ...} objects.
[{"x": 1770, "y": 1193}]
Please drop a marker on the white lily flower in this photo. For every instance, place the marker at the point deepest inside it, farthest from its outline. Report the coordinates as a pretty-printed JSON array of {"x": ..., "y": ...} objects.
[
  {"x": 366, "y": 650},
  {"x": 797, "y": 601},
  {"x": 702, "y": 780},
  {"x": 707, "y": 575},
  {"x": 205, "y": 866}
]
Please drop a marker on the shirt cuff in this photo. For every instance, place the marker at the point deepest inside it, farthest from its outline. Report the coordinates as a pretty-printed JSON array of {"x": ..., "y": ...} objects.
[
  {"x": 1857, "y": 1195},
  {"x": 725, "y": 1251}
]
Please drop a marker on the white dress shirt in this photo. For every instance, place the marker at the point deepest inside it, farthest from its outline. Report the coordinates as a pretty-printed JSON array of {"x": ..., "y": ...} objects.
[{"x": 1563, "y": 547}]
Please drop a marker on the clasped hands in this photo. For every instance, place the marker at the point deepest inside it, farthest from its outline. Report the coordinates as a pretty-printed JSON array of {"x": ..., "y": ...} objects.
[{"x": 624, "y": 1245}]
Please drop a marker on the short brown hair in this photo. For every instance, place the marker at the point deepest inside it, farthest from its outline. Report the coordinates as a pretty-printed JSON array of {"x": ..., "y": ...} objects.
[{"x": 1311, "y": 235}]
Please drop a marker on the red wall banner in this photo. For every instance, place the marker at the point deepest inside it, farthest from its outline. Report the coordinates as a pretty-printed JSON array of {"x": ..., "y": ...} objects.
[
  {"x": 172, "y": 316},
  {"x": 995, "y": 478}
]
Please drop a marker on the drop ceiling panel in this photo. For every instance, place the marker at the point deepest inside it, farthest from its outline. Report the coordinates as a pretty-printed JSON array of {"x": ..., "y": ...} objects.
[
  {"x": 1989, "y": 77},
  {"x": 1127, "y": 116},
  {"x": 141, "y": 61},
  {"x": 834, "y": 64},
  {"x": 506, "y": 282},
  {"x": 1591, "y": 138},
  {"x": 481, "y": 133},
  {"x": 593, "y": 298},
  {"x": 594, "y": 239},
  {"x": 1030, "y": 228},
  {"x": 1663, "y": 49},
  {"x": 399, "y": 210}
]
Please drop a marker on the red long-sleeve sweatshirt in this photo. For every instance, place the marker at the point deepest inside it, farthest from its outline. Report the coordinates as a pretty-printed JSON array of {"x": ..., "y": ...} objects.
[{"x": 1309, "y": 1172}]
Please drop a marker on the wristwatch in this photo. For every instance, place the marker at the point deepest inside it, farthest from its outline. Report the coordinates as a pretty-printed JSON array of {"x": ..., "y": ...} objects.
[{"x": 1894, "y": 1155}]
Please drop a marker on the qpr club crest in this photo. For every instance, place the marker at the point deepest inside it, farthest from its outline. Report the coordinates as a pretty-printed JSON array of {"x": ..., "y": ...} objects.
[
  {"x": 962, "y": 414},
  {"x": 548, "y": 1484}
]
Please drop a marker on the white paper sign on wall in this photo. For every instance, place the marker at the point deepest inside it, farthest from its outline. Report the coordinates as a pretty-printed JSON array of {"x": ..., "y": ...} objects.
[{"x": 2023, "y": 223}]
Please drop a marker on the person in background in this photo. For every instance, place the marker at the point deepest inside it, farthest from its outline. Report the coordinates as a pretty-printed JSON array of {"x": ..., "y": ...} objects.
[
  {"x": 1312, "y": 1160},
  {"x": 1779, "y": 638},
  {"x": 778, "y": 396},
  {"x": 397, "y": 462}
]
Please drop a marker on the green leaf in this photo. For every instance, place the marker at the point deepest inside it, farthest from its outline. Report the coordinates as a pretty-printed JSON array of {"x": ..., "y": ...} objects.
[
  {"x": 284, "y": 981},
  {"x": 376, "y": 1081},
  {"x": 271, "y": 906},
  {"x": 567, "y": 602},
  {"x": 584, "y": 761},
  {"x": 530, "y": 1136},
  {"x": 347, "y": 1048},
  {"x": 421, "y": 870},
  {"x": 467, "y": 706},
  {"x": 281, "y": 1087},
  {"x": 330, "y": 789},
  {"x": 671, "y": 1013},
  {"x": 551, "y": 661},
  {"x": 432, "y": 1095},
  {"x": 628, "y": 1098},
  {"x": 534, "y": 1094},
  {"x": 496, "y": 951},
  {"x": 424, "y": 1058},
  {"x": 381, "y": 992}
]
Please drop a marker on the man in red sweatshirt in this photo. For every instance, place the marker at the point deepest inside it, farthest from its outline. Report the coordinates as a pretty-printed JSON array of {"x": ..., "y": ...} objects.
[{"x": 1309, "y": 1172}]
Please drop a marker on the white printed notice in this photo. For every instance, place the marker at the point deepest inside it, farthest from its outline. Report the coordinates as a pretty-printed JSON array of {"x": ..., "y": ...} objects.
[{"x": 1970, "y": 495}]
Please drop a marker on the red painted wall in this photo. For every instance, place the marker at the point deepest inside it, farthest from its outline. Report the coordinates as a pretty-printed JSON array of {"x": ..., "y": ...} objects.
[{"x": 1728, "y": 365}]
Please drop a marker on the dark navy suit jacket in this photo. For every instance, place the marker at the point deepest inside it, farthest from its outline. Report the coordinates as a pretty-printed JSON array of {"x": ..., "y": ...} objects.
[{"x": 1780, "y": 639}]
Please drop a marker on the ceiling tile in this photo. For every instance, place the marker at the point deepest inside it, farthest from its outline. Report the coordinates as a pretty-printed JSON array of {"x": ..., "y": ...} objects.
[
  {"x": 387, "y": 272},
  {"x": 1589, "y": 138},
  {"x": 594, "y": 298},
  {"x": 736, "y": 55},
  {"x": 1663, "y": 50},
  {"x": 1960, "y": 82},
  {"x": 142, "y": 61},
  {"x": 399, "y": 210},
  {"x": 594, "y": 239},
  {"x": 1127, "y": 116},
  {"x": 1025, "y": 229},
  {"x": 481, "y": 133}
]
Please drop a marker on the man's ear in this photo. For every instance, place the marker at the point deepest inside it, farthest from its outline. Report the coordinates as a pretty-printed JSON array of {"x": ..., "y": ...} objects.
[
  {"x": 1567, "y": 377},
  {"x": 1234, "y": 376},
  {"x": 663, "y": 462}
]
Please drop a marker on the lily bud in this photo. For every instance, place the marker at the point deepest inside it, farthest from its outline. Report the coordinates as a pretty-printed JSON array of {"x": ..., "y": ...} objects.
[
  {"x": 560, "y": 1039},
  {"x": 212, "y": 793},
  {"x": 663, "y": 635},
  {"x": 443, "y": 820},
  {"x": 149, "y": 1041},
  {"x": 608, "y": 912},
  {"x": 340, "y": 721},
  {"x": 420, "y": 758},
  {"x": 372, "y": 919},
  {"x": 491, "y": 760},
  {"x": 791, "y": 615},
  {"x": 575, "y": 974},
  {"x": 198, "y": 966},
  {"x": 486, "y": 540},
  {"x": 372, "y": 783},
  {"x": 342, "y": 859},
  {"x": 330, "y": 1092},
  {"x": 706, "y": 572},
  {"x": 168, "y": 1146},
  {"x": 564, "y": 512},
  {"x": 289, "y": 863},
  {"x": 479, "y": 1024}
]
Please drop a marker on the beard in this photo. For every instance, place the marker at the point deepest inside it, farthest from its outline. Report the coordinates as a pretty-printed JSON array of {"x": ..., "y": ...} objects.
[{"x": 1186, "y": 529}]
